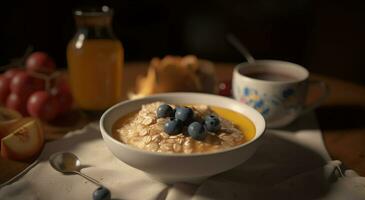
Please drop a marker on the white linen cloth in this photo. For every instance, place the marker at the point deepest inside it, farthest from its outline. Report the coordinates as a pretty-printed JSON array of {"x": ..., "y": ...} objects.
[{"x": 290, "y": 164}]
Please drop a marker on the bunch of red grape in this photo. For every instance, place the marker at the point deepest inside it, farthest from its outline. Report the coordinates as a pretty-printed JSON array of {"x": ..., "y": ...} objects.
[{"x": 37, "y": 90}]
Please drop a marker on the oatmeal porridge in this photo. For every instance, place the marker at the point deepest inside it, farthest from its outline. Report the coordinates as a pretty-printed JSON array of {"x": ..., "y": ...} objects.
[{"x": 161, "y": 127}]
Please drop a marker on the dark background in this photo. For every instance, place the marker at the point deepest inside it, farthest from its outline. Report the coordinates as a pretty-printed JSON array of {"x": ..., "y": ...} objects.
[{"x": 326, "y": 37}]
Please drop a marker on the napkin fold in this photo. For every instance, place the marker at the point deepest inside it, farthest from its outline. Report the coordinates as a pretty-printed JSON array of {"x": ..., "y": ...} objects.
[{"x": 290, "y": 164}]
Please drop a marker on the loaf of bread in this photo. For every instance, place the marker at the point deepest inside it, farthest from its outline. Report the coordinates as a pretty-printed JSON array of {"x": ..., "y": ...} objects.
[{"x": 176, "y": 74}]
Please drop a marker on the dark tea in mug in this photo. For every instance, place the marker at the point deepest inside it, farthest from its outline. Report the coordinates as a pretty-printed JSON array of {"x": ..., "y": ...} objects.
[{"x": 269, "y": 76}]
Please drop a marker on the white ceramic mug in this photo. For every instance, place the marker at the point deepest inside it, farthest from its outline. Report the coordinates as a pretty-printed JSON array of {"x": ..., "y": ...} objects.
[{"x": 277, "y": 89}]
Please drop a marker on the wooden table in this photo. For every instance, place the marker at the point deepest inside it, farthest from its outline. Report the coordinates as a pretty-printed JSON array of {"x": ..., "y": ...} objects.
[{"x": 341, "y": 119}]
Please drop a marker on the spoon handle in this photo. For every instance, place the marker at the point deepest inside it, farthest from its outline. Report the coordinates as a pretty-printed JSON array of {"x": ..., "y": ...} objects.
[
  {"x": 233, "y": 40},
  {"x": 89, "y": 178}
]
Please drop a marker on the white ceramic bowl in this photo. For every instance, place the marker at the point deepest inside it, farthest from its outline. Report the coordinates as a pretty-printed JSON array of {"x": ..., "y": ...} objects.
[{"x": 170, "y": 168}]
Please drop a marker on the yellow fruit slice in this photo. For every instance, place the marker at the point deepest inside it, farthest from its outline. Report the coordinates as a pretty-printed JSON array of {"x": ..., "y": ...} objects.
[
  {"x": 25, "y": 140},
  {"x": 9, "y": 120},
  {"x": 7, "y": 114}
]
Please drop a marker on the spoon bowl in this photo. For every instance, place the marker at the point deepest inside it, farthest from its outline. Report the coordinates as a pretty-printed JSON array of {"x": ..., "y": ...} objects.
[{"x": 65, "y": 162}]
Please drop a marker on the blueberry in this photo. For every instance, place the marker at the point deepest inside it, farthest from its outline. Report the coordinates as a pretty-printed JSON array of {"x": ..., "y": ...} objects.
[
  {"x": 212, "y": 123},
  {"x": 173, "y": 127},
  {"x": 197, "y": 131},
  {"x": 184, "y": 114},
  {"x": 164, "y": 110},
  {"x": 101, "y": 193}
]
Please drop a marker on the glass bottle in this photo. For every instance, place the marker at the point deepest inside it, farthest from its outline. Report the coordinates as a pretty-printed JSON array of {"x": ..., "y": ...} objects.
[{"x": 95, "y": 60}]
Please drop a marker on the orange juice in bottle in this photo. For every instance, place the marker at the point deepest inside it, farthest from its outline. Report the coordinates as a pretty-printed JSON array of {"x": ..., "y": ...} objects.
[{"x": 95, "y": 61}]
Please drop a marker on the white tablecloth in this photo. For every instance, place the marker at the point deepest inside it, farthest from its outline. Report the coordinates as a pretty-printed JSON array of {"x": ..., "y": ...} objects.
[{"x": 290, "y": 164}]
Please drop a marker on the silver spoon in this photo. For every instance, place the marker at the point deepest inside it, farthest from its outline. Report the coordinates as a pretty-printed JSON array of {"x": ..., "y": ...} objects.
[
  {"x": 235, "y": 42},
  {"x": 69, "y": 163}
]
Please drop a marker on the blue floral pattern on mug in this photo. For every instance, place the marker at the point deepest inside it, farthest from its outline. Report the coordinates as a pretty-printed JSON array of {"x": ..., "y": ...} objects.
[
  {"x": 263, "y": 103},
  {"x": 288, "y": 98},
  {"x": 287, "y": 92}
]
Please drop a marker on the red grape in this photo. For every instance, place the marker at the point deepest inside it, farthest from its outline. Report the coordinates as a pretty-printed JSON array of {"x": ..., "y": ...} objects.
[
  {"x": 64, "y": 99},
  {"x": 62, "y": 93},
  {"x": 40, "y": 62},
  {"x": 225, "y": 88},
  {"x": 43, "y": 105},
  {"x": 24, "y": 84},
  {"x": 10, "y": 73},
  {"x": 4, "y": 89},
  {"x": 17, "y": 102},
  {"x": 62, "y": 83}
]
